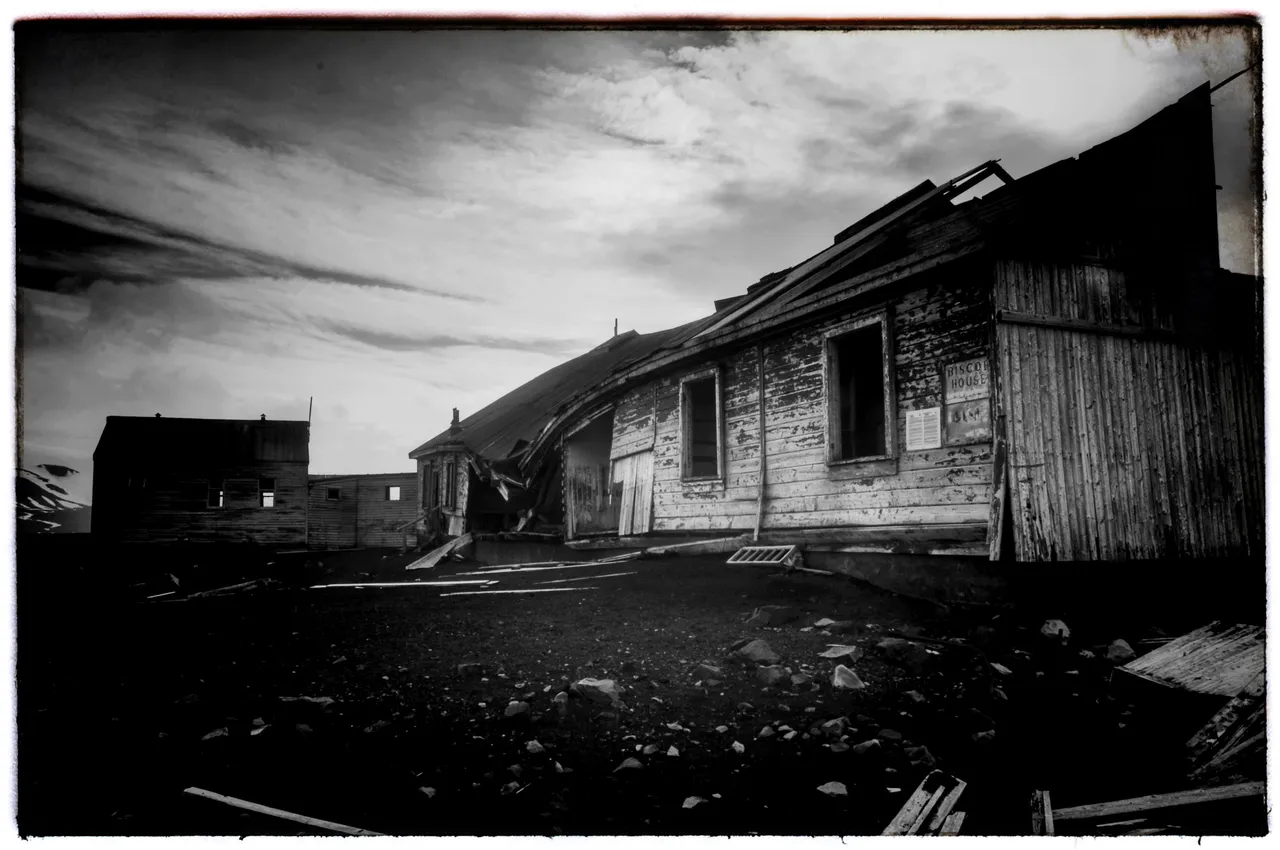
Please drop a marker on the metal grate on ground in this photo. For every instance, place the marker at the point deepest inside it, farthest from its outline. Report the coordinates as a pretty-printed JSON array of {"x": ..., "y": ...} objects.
[{"x": 784, "y": 555}]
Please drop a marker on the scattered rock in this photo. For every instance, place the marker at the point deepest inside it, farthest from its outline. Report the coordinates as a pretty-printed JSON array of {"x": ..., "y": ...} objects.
[
  {"x": 673, "y": 752},
  {"x": 706, "y": 671},
  {"x": 430, "y": 792},
  {"x": 561, "y": 702},
  {"x": 302, "y": 729},
  {"x": 772, "y": 675},
  {"x": 535, "y": 747},
  {"x": 800, "y": 680},
  {"x": 866, "y": 747},
  {"x": 1120, "y": 652},
  {"x": 759, "y": 652},
  {"x": 746, "y": 706},
  {"x": 1000, "y": 694},
  {"x": 824, "y": 622},
  {"x": 258, "y": 731},
  {"x": 834, "y": 728},
  {"x": 713, "y": 683},
  {"x": 628, "y": 764},
  {"x": 1055, "y": 630},
  {"x": 790, "y": 735},
  {"x": 915, "y": 697},
  {"x": 722, "y": 729},
  {"x": 516, "y": 770},
  {"x": 839, "y": 747},
  {"x": 690, "y": 802},
  {"x": 258, "y": 721},
  {"x": 738, "y": 748},
  {"x": 650, "y": 749},
  {"x": 514, "y": 709},
  {"x": 1084, "y": 653},
  {"x": 1001, "y": 669},
  {"x": 675, "y": 726},
  {"x": 376, "y": 725},
  {"x": 766, "y": 732},
  {"x": 321, "y": 701},
  {"x": 773, "y": 615},
  {"x": 889, "y": 735},
  {"x": 834, "y": 789},
  {"x": 852, "y": 653},
  {"x": 603, "y": 691},
  {"x": 921, "y": 757},
  {"x": 510, "y": 788},
  {"x": 843, "y": 677},
  {"x": 988, "y": 735},
  {"x": 216, "y": 733}
]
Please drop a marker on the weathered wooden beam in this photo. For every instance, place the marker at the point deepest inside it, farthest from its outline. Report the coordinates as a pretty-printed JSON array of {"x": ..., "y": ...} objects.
[
  {"x": 951, "y": 826},
  {"x": 1081, "y": 325},
  {"x": 913, "y": 812},
  {"x": 1151, "y": 802},
  {"x": 434, "y": 557},
  {"x": 326, "y": 825},
  {"x": 948, "y": 803},
  {"x": 1041, "y": 813}
]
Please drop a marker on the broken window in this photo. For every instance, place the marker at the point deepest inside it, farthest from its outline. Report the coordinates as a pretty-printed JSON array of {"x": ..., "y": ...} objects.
[
  {"x": 448, "y": 492},
  {"x": 700, "y": 426},
  {"x": 332, "y": 494},
  {"x": 393, "y": 494},
  {"x": 215, "y": 495},
  {"x": 266, "y": 492},
  {"x": 860, "y": 421}
]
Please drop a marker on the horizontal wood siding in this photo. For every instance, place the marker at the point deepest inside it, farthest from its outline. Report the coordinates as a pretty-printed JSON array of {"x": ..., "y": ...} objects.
[
  {"x": 362, "y": 515},
  {"x": 173, "y": 505},
  {"x": 1122, "y": 446},
  {"x": 940, "y": 323}
]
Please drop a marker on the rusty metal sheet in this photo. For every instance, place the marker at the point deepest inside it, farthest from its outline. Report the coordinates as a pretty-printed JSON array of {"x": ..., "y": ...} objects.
[{"x": 1220, "y": 659}]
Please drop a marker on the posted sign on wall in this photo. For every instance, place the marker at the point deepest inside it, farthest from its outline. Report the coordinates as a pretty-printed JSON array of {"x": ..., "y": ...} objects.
[
  {"x": 967, "y": 380},
  {"x": 968, "y": 391}
]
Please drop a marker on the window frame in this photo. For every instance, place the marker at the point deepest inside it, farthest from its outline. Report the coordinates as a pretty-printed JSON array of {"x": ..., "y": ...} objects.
[
  {"x": 387, "y": 493},
  {"x": 448, "y": 483},
  {"x": 333, "y": 490},
  {"x": 264, "y": 492},
  {"x": 712, "y": 373},
  {"x": 830, "y": 340}
]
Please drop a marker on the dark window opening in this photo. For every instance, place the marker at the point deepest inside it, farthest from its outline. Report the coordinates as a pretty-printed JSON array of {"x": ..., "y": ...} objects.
[
  {"x": 215, "y": 495},
  {"x": 448, "y": 492},
  {"x": 266, "y": 492},
  {"x": 332, "y": 494},
  {"x": 858, "y": 394},
  {"x": 701, "y": 429},
  {"x": 393, "y": 494},
  {"x": 429, "y": 486}
]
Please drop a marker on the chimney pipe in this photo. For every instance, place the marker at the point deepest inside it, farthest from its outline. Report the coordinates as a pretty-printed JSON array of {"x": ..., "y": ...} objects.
[{"x": 455, "y": 427}]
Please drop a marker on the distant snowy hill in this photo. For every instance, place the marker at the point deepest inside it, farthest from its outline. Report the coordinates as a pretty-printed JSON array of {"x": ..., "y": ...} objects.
[{"x": 43, "y": 507}]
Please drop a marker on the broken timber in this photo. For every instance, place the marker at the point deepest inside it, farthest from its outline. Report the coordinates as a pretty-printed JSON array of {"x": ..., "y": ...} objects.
[
  {"x": 1041, "y": 813},
  {"x": 434, "y": 557},
  {"x": 1152, "y": 802},
  {"x": 327, "y": 825},
  {"x": 929, "y": 807}
]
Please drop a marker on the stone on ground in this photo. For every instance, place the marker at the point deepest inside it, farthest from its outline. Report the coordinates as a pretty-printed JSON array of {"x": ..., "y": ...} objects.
[
  {"x": 706, "y": 671},
  {"x": 843, "y": 677},
  {"x": 834, "y": 789},
  {"x": 535, "y": 747},
  {"x": 759, "y": 652},
  {"x": 866, "y": 747},
  {"x": 1119, "y": 652},
  {"x": 515, "y": 709},
  {"x": 690, "y": 802},
  {"x": 852, "y": 653},
  {"x": 628, "y": 764},
  {"x": 772, "y": 675},
  {"x": 1055, "y": 630},
  {"x": 604, "y": 691}
]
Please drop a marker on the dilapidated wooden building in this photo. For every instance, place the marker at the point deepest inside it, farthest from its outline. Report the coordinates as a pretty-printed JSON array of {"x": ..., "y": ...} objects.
[
  {"x": 162, "y": 479},
  {"x": 1056, "y": 370},
  {"x": 357, "y": 511}
]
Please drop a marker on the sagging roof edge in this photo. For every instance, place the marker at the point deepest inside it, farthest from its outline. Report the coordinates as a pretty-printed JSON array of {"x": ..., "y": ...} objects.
[{"x": 664, "y": 360}]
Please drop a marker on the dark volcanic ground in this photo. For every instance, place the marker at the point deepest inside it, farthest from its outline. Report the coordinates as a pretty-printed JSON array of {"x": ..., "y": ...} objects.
[{"x": 118, "y": 697}]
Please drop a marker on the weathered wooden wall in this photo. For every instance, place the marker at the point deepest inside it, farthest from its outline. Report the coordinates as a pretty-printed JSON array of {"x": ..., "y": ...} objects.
[
  {"x": 945, "y": 320},
  {"x": 362, "y": 515},
  {"x": 455, "y": 518},
  {"x": 173, "y": 505},
  {"x": 1124, "y": 445}
]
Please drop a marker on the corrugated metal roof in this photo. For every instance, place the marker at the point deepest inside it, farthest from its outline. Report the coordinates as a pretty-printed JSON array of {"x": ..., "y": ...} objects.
[
  {"x": 1220, "y": 659},
  {"x": 166, "y": 441},
  {"x": 494, "y": 431}
]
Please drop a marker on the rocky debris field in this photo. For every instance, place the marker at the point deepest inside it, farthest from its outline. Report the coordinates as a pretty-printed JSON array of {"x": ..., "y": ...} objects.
[{"x": 688, "y": 697}]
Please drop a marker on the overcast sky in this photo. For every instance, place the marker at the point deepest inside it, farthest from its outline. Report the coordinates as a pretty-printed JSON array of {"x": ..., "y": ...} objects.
[{"x": 398, "y": 223}]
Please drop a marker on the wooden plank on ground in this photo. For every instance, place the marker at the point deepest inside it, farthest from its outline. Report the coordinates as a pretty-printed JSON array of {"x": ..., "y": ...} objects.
[
  {"x": 701, "y": 547},
  {"x": 1041, "y": 813},
  {"x": 1151, "y": 802},
  {"x": 948, "y": 803},
  {"x": 915, "y": 806},
  {"x": 951, "y": 826},
  {"x": 327, "y": 825},
  {"x": 434, "y": 557}
]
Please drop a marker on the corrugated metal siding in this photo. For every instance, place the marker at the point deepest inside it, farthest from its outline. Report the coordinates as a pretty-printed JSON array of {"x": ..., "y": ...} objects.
[
  {"x": 933, "y": 325},
  {"x": 1218, "y": 659},
  {"x": 1123, "y": 446}
]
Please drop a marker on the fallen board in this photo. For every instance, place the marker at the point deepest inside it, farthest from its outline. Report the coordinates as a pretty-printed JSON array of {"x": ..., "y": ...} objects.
[
  {"x": 1151, "y": 802},
  {"x": 527, "y": 590},
  {"x": 587, "y": 578},
  {"x": 404, "y": 584},
  {"x": 327, "y": 825},
  {"x": 434, "y": 557}
]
